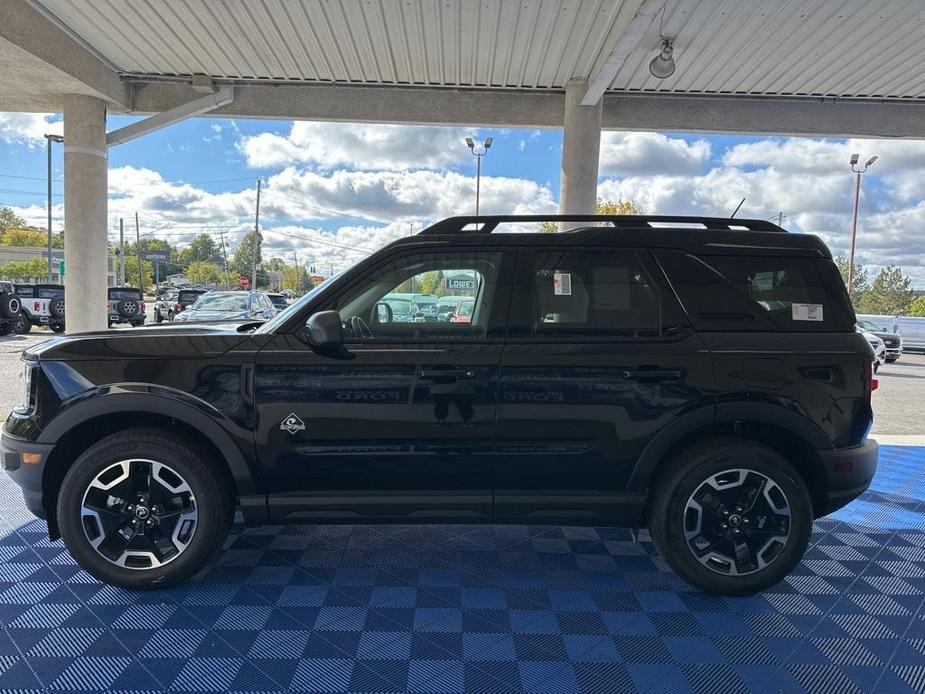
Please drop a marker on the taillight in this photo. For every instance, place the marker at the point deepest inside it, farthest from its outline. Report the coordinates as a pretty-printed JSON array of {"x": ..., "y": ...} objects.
[
  {"x": 178, "y": 308},
  {"x": 36, "y": 306}
]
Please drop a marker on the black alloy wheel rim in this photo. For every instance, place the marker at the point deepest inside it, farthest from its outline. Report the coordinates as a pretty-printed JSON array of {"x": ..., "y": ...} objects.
[
  {"x": 737, "y": 522},
  {"x": 139, "y": 514}
]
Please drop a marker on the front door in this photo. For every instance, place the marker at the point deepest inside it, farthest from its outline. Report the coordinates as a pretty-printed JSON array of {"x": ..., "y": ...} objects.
[
  {"x": 401, "y": 425},
  {"x": 599, "y": 360}
]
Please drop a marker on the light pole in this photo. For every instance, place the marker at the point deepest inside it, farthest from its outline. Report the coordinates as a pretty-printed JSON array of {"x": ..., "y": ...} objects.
[
  {"x": 48, "y": 140},
  {"x": 854, "y": 223},
  {"x": 479, "y": 152}
]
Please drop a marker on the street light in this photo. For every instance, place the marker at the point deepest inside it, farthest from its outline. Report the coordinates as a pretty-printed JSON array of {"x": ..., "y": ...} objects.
[
  {"x": 48, "y": 140},
  {"x": 478, "y": 152},
  {"x": 854, "y": 224}
]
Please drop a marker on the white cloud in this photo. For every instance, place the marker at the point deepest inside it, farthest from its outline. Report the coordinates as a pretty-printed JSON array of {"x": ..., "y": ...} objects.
[
  {"x": 27, "y": 128},
  {"x": 357, "y": 146},
  {"x": 628, "y": 154}
]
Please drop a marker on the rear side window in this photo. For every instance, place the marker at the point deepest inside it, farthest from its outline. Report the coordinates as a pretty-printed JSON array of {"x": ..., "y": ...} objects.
[
  {"x": 603, "y": 294},
  {"x": 752, "y": 293}
]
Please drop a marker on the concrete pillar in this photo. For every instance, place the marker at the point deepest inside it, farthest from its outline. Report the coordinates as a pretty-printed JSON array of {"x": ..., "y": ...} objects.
[
  {"x": 581, "y": 151},
  {"x": 85, "y": 222}
]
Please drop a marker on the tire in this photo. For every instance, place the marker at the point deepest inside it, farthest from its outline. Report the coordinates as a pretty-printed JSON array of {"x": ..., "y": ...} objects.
[
  {"x": 10, "y": 306},
  {"x": 57, "y": 327},
  {"x": 127, "y": 308},
  {"x": 158, "y": 318},
  {"x": 876, "y": 366},
  {"x": 5, "y": 327},
  {"x": 21, "y": 324},
  {"x": 670, "y": 514},
  {"x": 207, "y": 490},
  {"x": 56, "y": 307}
]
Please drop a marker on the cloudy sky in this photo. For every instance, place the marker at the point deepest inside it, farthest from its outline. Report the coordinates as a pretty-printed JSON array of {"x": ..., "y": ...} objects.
[{"x": 333, "y": 192}]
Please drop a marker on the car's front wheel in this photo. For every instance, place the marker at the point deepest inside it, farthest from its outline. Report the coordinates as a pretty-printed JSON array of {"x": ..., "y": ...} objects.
[
  {"x": 144, "y": 508},
  {"x": 730, "y": 516}
]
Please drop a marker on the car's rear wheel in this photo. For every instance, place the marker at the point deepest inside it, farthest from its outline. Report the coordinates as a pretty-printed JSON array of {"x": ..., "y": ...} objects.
[
  {"x": 730, "y": 516},
  {"x": 21, "y": 324},
  {"x": 144, "y": 508}
]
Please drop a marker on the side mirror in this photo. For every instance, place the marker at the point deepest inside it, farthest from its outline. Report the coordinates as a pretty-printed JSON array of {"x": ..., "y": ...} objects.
[
  {"x": 383, "y": 313},
  {"x": 325, "y": 332}
]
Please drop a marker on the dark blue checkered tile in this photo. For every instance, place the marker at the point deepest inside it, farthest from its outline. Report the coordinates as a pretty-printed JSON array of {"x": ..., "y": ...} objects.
[{"x": 445, "y": 609}]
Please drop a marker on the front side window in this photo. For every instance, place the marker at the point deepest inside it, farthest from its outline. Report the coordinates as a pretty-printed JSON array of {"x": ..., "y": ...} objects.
[
  {"x": 401, "y": 300},
  {"x": 593, "y": 293}
]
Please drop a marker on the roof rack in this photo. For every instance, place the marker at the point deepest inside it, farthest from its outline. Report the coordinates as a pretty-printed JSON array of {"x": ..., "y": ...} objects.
[{"x": 486, "y": 224}]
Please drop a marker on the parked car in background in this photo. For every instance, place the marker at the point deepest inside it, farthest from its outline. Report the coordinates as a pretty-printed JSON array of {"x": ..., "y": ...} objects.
[
  {"x": 877, "y": 345},
  {"x": 279, "y": 301},
  {"x": 125, "y": 305},
  {"x": 184, "y": 299},
  {"x": 164, "y": 302},
  {"x": 892, "y": 342},
  {"x": 224, "y": 307},
  {"x": 10, "y": 309},
  {"x": 42, "y": 305}
]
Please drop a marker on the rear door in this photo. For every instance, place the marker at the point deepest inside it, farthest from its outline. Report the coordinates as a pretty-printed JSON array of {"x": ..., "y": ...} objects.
[{"x": 599, "y": 360}]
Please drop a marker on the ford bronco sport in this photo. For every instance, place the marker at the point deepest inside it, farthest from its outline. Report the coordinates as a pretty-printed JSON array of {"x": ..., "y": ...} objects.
[{"x": 699, "y": 377}]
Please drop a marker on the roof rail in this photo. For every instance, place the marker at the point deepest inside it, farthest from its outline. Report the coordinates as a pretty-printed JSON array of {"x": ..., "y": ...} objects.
[{"x": 486, "y": 224}]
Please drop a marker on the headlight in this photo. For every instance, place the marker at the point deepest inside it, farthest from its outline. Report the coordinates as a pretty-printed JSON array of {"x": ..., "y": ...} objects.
[{"x": 25, "y": 403}]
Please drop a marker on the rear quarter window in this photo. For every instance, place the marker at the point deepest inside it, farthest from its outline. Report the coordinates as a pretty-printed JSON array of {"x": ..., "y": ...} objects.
[{"x": 756, "y": 292}]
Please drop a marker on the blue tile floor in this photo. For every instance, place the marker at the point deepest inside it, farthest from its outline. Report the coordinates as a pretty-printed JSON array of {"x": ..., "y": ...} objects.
[{"x": 476, "y": 609}]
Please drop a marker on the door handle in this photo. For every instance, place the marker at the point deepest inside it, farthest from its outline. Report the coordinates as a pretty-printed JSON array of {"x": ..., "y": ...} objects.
[
  {"x": 446, "y": 373},
  {"x": 652, "y": 374}
]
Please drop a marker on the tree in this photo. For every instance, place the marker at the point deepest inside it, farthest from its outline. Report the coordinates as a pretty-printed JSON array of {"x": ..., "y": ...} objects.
[
  {"x": 859, "y": 280},
  {"x": 131, "y": 272},
  {"x": 24, "y": 270},
  {"x": 33, "y": 238},
  {"x": 292, "y": 277},
  {"x": 890, "y": 294},
  {"x": 244, "y": 257},
  {"x": 201, "y": 248},
  {"x": 10, "y": 220},
  {"x": 203, "y": 273},
  {"x": 274, "y": 265},
  {"x": 918, "y": 307},
  {"x": 432, "y": 283},
  {"x": 602, "y": 207}
]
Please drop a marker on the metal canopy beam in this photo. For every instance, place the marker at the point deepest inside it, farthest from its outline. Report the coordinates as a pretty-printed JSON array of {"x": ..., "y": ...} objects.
[
  {"x": 635, "y": 31},
  {"x": 23, "y": 26},
  {"x": 535, "y": 109},
  {"x": 196, "y": 107}
]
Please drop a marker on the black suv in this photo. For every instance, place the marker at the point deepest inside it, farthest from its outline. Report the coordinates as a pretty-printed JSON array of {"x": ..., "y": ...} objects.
[{"x": 700, "y": 377}]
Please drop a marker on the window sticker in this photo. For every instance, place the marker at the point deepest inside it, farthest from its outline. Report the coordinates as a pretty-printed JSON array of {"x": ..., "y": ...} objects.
[
  {"x": 562, "y": 284},
  {"x": 812, "y": 312}
]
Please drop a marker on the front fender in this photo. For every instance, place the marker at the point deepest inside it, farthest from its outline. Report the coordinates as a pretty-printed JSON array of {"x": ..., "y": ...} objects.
[{"x": 236, "y": 448}]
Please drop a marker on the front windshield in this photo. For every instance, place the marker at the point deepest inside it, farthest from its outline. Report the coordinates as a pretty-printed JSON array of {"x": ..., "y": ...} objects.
[
  {"x": 870, "y": 325},
  {"x": 221, "y": 302},
  {"x": 281, "y": 317}
]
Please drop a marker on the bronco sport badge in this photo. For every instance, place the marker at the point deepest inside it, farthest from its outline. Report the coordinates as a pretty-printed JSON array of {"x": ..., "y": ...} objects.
[{"x": 292, "y": 424}]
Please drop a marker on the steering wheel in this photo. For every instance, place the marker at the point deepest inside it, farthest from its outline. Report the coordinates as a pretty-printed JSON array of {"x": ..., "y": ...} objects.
[{"x": 359, "y": 327}]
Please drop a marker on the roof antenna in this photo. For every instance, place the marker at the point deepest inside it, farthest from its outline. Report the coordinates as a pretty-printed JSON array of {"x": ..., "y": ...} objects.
[{"x": 738, "y": 207}]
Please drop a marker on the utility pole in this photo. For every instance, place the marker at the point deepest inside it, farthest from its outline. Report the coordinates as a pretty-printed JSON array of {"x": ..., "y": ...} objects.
[
  {"x": 121, "y": 253},
  {"x": 141, "y": 284},
  {"x": 256, "y": 238},
  {"x": 854, "y": 222},
  {"x": 780, "y": 218},
  {"x": 225, "y": 256}
]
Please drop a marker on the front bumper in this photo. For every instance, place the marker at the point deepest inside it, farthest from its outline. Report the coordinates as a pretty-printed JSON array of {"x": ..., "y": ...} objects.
[
  {"x": 848, "y": 473},
  {"x": 27, "y": 475}
]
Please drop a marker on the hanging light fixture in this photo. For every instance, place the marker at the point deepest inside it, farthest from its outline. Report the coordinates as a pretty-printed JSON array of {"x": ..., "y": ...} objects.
[{"x": 662, "y": 65}]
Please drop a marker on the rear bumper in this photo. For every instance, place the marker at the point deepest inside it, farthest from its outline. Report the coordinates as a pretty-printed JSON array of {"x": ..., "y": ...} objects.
[
  {"x": 848, "y": 472},
  {"x": 27, "y": 475}
]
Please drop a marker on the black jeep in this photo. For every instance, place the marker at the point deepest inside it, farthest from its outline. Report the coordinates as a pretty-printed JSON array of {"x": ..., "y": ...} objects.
[
  {"x": 700, "y": 377},
  {"x": 11, "y": 316}
]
